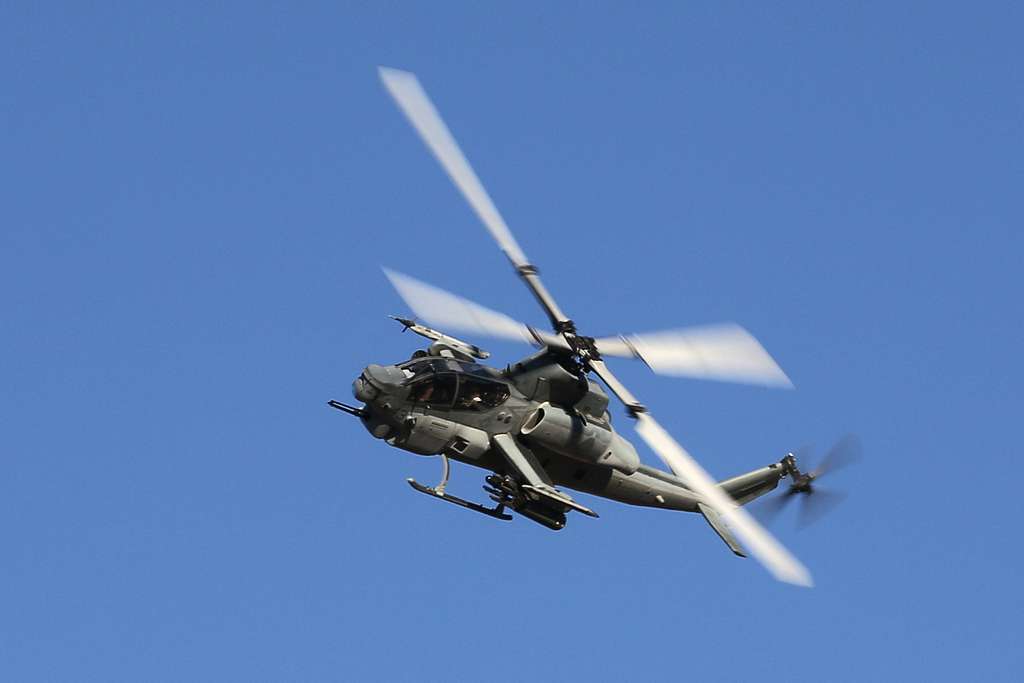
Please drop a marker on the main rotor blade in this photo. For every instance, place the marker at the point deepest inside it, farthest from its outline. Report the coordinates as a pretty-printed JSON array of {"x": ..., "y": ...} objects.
[
  {"x": 769, "y": 507},
  {"x": 450, "y": 312},
  {"x": 720, "y": 352},
  {"x": 761, "y": 544},
  {"x": 816, "y": 505},
  {"x": 405, "y": 88},
  {"x": 412, "y": 99}
]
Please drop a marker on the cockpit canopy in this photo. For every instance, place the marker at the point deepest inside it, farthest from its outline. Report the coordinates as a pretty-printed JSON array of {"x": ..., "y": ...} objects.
[{"x": 448, "y": 384}]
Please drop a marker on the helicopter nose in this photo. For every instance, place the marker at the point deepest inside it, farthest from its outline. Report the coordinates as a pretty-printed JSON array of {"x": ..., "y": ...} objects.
[
  {"x": 384, "y": 378},
  {"x": 363, "y": 390},
  {"x": 378, "y": 386},
  {"x": 375, "y": 380}
]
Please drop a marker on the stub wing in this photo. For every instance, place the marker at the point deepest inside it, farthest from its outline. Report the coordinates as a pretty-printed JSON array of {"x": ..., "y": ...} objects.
[{"x": 538, "y": 484}]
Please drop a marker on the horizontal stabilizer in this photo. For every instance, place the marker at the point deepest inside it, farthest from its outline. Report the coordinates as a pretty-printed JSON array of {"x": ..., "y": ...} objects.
[{"x": 721, "y": 529}]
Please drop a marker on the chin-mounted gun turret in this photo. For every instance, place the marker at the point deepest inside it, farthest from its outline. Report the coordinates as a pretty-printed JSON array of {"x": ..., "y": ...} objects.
[{"x": 444, "y": 345}]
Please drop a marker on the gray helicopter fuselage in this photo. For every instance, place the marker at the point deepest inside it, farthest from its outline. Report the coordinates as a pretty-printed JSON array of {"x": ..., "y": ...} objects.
[{"x": 435, "y": 405}]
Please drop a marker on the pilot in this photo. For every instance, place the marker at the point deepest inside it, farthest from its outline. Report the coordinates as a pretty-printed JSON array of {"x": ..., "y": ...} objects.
[
  {"x": 425, "y": 392},
  {"x": 472, "y": 398}
]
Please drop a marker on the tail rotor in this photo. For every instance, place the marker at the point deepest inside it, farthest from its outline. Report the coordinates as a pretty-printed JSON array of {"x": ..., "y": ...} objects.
[{"x": 815, "y": 501}]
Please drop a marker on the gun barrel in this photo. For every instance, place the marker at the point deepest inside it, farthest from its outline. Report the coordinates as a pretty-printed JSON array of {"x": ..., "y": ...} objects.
[{"x": 345, "y": 408}]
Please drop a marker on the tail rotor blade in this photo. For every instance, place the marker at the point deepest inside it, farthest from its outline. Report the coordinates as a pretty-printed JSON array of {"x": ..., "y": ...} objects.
[
  {"x": 816, "y": 505},
  {"x": 846, "y": 452},
  {"x": 769, "y": 509}
]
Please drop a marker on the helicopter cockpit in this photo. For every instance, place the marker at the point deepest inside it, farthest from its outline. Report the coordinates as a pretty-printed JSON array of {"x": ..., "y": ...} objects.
[{"x": 448, "y": 384}]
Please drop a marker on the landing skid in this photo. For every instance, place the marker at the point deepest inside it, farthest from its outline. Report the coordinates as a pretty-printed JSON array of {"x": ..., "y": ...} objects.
[{"x": 497, "y": 512}]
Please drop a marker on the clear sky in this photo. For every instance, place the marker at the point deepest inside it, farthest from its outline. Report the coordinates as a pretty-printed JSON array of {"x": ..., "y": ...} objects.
[{"x": 196, "y": 205}]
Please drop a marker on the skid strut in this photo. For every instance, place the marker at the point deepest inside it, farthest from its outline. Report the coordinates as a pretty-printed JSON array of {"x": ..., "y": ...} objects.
[{"x": 498, "y": 512}]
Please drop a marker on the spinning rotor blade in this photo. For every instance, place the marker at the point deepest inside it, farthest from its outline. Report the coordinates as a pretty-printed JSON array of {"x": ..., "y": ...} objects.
[
  {"x": 846, "y": 452},
  {"x": 405, "y": 88},
  {"x": 450, "y": 312},
  {"x": 761, "y": 544},
  {"x": 768, "y": 508},
  {"x": 815, "y": 501},
  {"x": 817, "y": 505},
  {"x": 720, "y": 352},
  {"x": 420, "y": 111}
]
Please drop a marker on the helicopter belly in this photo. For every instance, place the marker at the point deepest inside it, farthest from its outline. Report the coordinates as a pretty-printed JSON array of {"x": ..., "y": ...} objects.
[
  {"x": 643, "y": 489},
  {"x": 640, "y": 488}
]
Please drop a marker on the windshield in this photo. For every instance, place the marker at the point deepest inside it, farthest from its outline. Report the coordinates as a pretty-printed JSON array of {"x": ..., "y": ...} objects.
[
  {"x": 462, "y": 392},
  {"x": 435, "y": 392},
  {"x": 479, "y": 394},
  {"x": 423, "y": 366}
]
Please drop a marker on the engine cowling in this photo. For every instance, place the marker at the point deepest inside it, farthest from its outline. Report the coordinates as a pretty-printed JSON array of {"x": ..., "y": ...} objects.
[{"x": 574, "y": 437}]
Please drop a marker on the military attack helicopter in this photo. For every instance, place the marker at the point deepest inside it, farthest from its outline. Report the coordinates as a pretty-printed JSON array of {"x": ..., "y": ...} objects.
[{"x": 542, "y": 424}]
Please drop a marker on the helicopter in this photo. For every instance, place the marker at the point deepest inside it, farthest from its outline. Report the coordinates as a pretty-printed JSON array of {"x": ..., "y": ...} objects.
[{"x": 542, "y": 424}]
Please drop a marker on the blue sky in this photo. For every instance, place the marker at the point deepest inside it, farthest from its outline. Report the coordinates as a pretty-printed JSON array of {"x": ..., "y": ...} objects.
[{"x": 197, "y": 203}]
